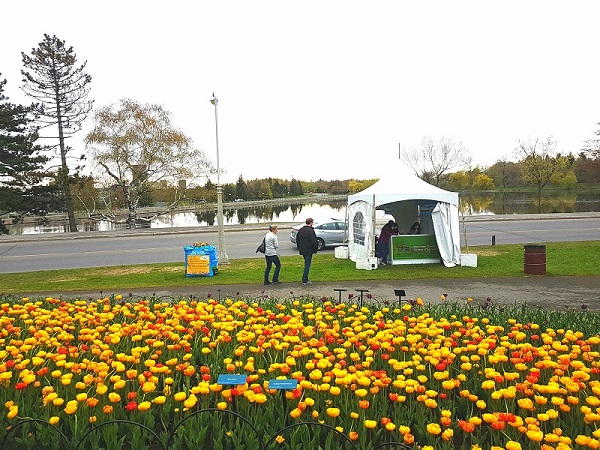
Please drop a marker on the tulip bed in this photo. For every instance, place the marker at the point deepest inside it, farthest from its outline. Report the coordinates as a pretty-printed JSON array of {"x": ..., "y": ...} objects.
[{"x": 136, "y": 374}]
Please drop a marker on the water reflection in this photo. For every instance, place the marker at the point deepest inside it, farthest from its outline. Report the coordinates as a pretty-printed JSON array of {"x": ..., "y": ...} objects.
[
  {"x": 527, "y": 203},
  {"x": 471, "y": 204}
]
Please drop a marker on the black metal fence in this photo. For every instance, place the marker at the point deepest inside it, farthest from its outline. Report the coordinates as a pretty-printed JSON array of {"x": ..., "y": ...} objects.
[{"x": 235, "y": 432}]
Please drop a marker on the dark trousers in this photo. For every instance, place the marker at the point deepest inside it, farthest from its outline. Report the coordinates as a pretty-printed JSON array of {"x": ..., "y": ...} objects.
[
  {"x": 384, "y": 250},
  {"x": 307, "y": 261},
  {"x": 272, "y": 260}
]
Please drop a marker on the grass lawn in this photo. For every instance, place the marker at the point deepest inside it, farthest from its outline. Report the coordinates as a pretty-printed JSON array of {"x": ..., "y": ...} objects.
[{"x": 562, "y": 259}]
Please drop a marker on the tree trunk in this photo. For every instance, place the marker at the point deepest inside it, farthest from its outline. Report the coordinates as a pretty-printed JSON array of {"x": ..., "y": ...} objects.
[
  {"x": 131, "y": 216},
  {"x": 70, "y": 210},
  {"x": 63, "y": 162}
]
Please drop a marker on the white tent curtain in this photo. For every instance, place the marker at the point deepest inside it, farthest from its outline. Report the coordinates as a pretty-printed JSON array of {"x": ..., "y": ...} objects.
[
  {"x": 360, "y": 230},
  {"x": 447, "y": 233}
]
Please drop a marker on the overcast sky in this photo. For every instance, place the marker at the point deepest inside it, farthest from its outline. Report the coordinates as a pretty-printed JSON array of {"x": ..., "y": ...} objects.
[{"x": 331, "y": 89}]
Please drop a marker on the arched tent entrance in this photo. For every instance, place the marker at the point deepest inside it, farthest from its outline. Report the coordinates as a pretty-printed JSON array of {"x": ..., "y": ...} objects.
[{"x": 408, "y": 199}]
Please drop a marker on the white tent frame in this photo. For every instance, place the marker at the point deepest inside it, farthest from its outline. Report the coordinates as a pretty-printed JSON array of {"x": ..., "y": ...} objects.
[{"x": 403, "y": 196}]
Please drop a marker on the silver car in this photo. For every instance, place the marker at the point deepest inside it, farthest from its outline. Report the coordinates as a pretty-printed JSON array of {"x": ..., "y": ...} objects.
[{"x": 330, "y": 233}]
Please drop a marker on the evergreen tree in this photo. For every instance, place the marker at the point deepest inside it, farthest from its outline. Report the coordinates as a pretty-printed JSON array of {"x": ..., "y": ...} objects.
[
  {"x": 61, "y": 88},
  {"x": 295, "y": 187},
  {"x": 241, "y": 190},
  {"x": 20, "y": 160},
  {"x": 278, "y": 188}
]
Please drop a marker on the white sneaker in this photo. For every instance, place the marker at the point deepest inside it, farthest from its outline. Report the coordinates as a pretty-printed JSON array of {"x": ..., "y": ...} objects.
[{"x": 306, "y": 282}]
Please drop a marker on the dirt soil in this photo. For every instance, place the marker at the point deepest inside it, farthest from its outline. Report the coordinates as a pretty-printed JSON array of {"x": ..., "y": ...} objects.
[{"x": 553, "y": 293}]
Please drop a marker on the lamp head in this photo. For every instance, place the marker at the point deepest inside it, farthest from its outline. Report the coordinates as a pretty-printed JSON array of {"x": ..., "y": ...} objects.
[{"x": 214, "y": 100}]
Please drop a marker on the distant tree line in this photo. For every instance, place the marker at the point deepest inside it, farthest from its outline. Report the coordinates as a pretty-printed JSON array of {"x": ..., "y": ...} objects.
[
  {"x": 576, "y": 171},
  {"x": 195, "y": 194}
]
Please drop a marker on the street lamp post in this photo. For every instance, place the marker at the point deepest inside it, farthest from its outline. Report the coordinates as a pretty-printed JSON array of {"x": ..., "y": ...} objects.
[{"x": 222, "y": 253}]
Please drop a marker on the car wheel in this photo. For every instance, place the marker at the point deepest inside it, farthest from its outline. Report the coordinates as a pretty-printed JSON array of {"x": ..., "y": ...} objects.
[{"x": 320, "y": 244}]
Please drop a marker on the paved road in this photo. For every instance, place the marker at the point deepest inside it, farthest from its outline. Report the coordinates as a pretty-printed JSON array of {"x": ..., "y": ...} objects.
[{"x": 25, "y": 253}]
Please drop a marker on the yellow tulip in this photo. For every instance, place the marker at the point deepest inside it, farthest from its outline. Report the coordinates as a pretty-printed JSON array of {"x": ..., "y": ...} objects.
[
  {"x": 448, "y": 434},
  {"x": 148, "y": 387},
  {"x": 370, "y": 424},
  {"x": 160, "y": 400},
  {"x": 144, "y": 406},
  {"x": 361, "y": 392},
  {"x": 535, "y": 435},
  {"x": 12, "y": 412},
  {"x": 333, "y": 412},
  {"x": 71, "y": 407},
  {"x": 180, "y": 396},
  {"x": 433, "y": 428},
  {"x": 190, "y": 402}
]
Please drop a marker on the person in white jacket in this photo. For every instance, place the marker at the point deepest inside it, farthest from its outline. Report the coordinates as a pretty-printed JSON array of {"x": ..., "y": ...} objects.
[{"x": 271, "y": 256}]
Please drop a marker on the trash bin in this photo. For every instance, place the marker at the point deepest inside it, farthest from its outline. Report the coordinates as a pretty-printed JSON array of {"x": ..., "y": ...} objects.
[
  {"x": 535, "y": 259},
  {"x": 200, "y": 261},
  {"x": 214, "y": 259}
]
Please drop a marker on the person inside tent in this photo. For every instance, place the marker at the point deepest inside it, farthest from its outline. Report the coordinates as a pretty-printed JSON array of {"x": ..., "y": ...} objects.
[
  {"x": 389, "y": 229},
  {"x": 415, "y": 228}
]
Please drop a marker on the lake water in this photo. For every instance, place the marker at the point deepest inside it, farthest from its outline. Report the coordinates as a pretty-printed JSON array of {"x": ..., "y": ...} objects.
[{"x": 470, "y": 204}]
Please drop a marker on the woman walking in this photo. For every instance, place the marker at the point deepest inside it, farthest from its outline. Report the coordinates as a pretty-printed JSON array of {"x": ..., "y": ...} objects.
[{"x": 271, "y": 256}]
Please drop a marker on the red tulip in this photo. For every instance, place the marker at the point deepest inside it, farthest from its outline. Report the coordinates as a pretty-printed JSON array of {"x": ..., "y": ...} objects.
[{"x": 131, "y": 406}]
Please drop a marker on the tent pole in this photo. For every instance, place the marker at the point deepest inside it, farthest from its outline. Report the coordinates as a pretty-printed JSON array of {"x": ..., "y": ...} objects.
[
  {"x": 347, "y": 225},
  {"x": 372, "y": 240}
]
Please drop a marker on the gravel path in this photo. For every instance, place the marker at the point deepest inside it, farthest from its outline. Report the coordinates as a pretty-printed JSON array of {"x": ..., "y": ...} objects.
[{"x": 554, "y": 293}]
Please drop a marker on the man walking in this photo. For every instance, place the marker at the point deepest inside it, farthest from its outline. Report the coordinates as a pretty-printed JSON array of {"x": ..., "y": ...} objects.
[{"x": 306, "y": 241}]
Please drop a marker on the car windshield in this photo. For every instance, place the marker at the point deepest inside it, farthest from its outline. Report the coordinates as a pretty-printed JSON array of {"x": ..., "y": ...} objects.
[{"x": 328, "y": 226}]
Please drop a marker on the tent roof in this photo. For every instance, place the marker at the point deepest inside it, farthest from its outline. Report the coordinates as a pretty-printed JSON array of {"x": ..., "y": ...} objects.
[{"x": 400, "y": 186}]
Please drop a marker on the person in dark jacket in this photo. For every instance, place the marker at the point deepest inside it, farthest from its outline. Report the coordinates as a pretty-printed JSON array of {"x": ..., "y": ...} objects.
[
  {"x": 306, "y": 241},
  {"x": 389, "y": 229}
]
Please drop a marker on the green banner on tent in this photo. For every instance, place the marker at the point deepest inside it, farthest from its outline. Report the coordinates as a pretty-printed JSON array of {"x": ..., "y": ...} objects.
[{"x": 414, "y": 249}]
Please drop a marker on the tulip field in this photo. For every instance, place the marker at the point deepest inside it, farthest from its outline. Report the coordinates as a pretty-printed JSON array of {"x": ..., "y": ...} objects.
[{"x": 313, "y": 373}]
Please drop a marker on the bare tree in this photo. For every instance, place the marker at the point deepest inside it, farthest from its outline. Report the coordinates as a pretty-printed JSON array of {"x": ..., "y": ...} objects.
[
  {"x": 434, "y": 159},
  {"x": 592, "y": 146},
  {"x": 51, "y": 78},
  {"x": 539, "y": 162},
  {"x": 505, "y": 173},
  {"x": 139, "y": 150}
]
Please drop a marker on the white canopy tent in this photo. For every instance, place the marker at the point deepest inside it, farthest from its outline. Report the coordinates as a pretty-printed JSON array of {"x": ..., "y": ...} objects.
[{"x": 408, "y": 199}]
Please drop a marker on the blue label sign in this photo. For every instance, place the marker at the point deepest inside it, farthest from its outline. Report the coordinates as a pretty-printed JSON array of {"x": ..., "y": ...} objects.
[
  {"x": 283, "y": 384},
  {"x": 231, "y": 379}
]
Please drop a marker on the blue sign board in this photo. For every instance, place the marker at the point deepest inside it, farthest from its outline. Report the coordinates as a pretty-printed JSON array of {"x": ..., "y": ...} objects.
[
  {"x": 228, "y": 379},
  {"x": 291, "y": 383}
]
